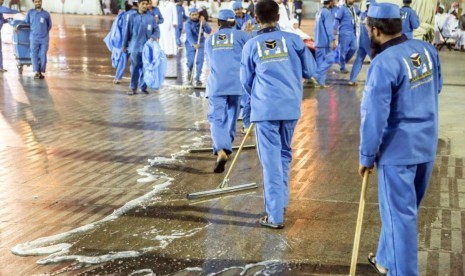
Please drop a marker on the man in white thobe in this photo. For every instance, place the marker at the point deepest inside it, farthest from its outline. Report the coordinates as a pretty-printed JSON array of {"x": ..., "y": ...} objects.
[{"x": 168, "y": 28}]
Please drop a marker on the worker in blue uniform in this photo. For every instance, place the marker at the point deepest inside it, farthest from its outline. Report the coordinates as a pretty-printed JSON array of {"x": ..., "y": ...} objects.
[
  {"x": 192, "y": 29},
  {"x": 140, "y": 28},
  {"x": 363, "y": 47},
  {"x": 345, "y": 23},
  {"x": 273, "y": 66},
  {"x": 223, "y": 52},
  {"x": 241, "y": 17},
  {"x": 181, "y": 18},
  {"x": 410, "y": 19},
  {"x": 122, "y": 26},
  {"x": 399, "y": 132},
  {"x": 155, "y": 11},
  {"x": 325, "y": 41},
  {"x": 41, "y": 23},
  {"x": 3, "y": 10}
]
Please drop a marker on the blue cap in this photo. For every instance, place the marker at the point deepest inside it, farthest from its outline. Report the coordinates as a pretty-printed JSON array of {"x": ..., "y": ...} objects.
[
  {"x": 237, "y": 6},
  {"x": 226, "y": 15},
  {"x": 191, "y": 10},
  {"x": 384, "y": 11}
]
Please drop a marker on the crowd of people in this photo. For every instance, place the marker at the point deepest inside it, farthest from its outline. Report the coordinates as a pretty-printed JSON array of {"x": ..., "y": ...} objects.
[{"x": 258, "y": 60}]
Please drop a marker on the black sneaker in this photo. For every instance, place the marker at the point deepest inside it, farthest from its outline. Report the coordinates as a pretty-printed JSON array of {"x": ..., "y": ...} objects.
[
  {"x": 37, "y": 76},
  {"x": 41, "y": 76},
  {"x": 220, "y": 162},
  {"x": 144, "y": 91}
]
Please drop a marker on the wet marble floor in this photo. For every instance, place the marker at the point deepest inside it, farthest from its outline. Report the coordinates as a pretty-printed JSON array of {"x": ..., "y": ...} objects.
[{"x": 94, "y": 182}]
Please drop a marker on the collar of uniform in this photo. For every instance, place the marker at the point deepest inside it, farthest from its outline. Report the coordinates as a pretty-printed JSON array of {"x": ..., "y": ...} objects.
[
  {"x": 223, "y": 27},
  {"x": 268, "y": 30},
  {"x": 393, "y": 42}
]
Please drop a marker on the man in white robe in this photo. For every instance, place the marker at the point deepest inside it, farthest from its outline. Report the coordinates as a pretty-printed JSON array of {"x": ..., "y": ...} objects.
[
  {"x": 284, "y": 23},
  {"x": 168, "y": 28}
]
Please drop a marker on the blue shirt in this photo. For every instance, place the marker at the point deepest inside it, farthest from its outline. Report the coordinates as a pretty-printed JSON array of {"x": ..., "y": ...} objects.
[
  {"x": 223, "y": 51},
  {"x": 5, "y": 10},
  {"x": 273, "y": 66},
  {"x": 399, "y": 110},
  {"x": 41, "y": 23},
  {"x": 410, "y": 21},
  {"x": 140, "y": 28},
  {"x": 345, "y": 19},
  {"x": 242, "y": 21},
  {"x": 192, "y": 29},
  {"x": 156, "y": 11},
  {"x": 181, "y": 15},
  {"x": 324, "y": 34}
]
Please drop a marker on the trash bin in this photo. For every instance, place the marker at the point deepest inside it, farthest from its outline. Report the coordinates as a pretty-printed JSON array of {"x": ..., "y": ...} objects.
[{"x": 22, "y": 44}]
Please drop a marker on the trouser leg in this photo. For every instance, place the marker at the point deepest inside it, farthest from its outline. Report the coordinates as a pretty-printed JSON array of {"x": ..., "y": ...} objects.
[
  {"x": 121, "y": 66},
  {"x": 357, "y": 67}
]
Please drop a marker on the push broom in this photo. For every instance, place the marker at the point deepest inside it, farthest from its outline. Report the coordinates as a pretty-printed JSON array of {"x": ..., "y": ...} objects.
[{"x": 224, "y": 188}]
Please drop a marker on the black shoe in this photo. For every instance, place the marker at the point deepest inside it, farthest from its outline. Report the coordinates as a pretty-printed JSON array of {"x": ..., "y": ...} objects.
[
  {"x": 131, "y": 92},
  {"x": 344, "y": 71},
  {"x": 37, "y": 76},
  {"x": 379, "y": 269},
  {"x": 220, "y": 162},
  {"x": 144, "y": 91},
  {"x": 41, "y": 76}
]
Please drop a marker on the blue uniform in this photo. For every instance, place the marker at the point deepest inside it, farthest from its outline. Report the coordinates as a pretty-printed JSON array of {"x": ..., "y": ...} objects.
[
  {"x": 181, "y": 17},
  {"x": 410, "y": 21},
  {"x": 324, "y": 37},
  {"x": 2, "y": 21},
  {"x": 272, "y": 68},
  {"x": 155, "y": 11},
  {"x": 242, "y": 21},
  {"x": 41, "y": 23},
  {"x": 140, "y": 28},
  {"x": 224, "y": 90},
  {"x": 345, "y": 22},
  {"x": 363, "y": 48},
  {"x": 399, "y": 131},
  {"x": 192, "y": 29}
]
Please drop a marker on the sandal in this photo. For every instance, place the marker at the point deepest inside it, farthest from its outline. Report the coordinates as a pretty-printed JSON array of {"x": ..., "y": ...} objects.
[
  {"x": 379, "y": 269},
  {"x": 265, "y": 223}
]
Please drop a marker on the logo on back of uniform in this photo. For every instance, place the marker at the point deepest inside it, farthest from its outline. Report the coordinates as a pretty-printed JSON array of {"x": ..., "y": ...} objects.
[
  {"x": 223, "y": 41},
  {"x": 403, "y": 15},
  {"x": 419, "y": 68},
  {"x": 272, "y": 49}
]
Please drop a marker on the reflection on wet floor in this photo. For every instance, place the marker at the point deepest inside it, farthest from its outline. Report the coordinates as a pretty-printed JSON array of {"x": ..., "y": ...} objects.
[{"x": 101, "y": 178}]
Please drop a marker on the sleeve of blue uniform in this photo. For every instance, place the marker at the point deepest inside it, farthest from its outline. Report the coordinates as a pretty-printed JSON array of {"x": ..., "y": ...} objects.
[
  {"x": 6, "y": 10},
  {"x": 155, "y": 31},
  {"x": 247, "y": 73},
  {"x": 414, "y": 21},
  {"x": 208, "y": 50},
  {"x": 337, "y": 18},
  {"x": 49, "y": 22},
  {"x": 190, "y": 34},
  {"x": 160, "y": 16},
  {"x": 329, "y": 27},
  {"x": 306, "y": 59},
  {"x": 440, "y": 81},
  {"x": 27, "y": 19},
  {"x": 374, "y": 112},
  {"x": 206, "y": 28},
  {"x": 127, "y": 33}
]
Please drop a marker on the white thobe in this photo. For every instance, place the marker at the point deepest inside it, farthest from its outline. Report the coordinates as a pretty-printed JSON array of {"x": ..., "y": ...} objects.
[{"x": 167, "y": 29}]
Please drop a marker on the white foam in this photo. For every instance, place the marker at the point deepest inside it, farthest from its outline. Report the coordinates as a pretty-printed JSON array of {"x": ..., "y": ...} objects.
[
  {"x": 143, "y": 272},
  {"x": 56, "y": 258}
]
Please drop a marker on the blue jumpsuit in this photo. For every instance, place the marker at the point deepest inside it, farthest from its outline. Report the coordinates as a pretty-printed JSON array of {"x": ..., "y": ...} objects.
[
  {"x": 155, "y": 11},
  {"x": 192, "y": 29},
  {"x": 399, "y": 132},
  {"x": 272, "y": 68},
  {"x": 324, "y": 37},
  {"x": 345, "y": 21},
  {"x": 223, "y": 52},
  {"x": 2, "y": 21},
  {"x": 121, "y": 67},
  {"x": 140, "y": 28},
  {"x": 363, "y": 48},
  {"x": 410, "y": 21},
  {"x": 41, "y": 24},
  {"x": 181, "y": 17}
]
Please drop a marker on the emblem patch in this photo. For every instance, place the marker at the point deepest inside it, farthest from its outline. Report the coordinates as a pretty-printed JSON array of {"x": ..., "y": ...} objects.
[
  {"x": 416, "y": 60},
  {"x": 222, "y": 37},
  {"x": 270, "y": 44}
]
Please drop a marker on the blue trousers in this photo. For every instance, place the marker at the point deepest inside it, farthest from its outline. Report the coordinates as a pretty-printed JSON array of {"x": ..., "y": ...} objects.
[
  {"x": 246, "y": 109},
  {"x": 223, "y": 112},
  {"x": 274, "y": 150},
  {"x": 39, "y": 56},
  {"x": 401, "y": 189},
  {"x": 121, "y": 66},
  {"x": 178, "y": 35},
  {"x": 137, "y": 71},
  {"x": 190, "y": 52},
  {"x": 357, "y": 67},
  {"x": 324, "y": 60},
  {"x": 348, "y": 44}
]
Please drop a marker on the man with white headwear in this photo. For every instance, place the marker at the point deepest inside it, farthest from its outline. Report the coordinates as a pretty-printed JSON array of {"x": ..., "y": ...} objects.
[
  {"x": 284, "y": 23},
  {"x": 439, "y": 20},
  {"x": 168, "y": 28}
]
